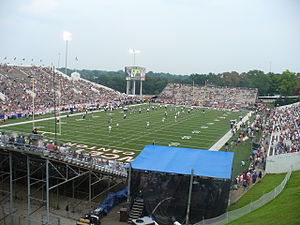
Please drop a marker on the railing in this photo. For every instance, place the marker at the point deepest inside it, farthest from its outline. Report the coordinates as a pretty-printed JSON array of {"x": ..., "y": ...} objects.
[
  {"x": 67, "y": 155},
  {"x": 235, "y": 214}
]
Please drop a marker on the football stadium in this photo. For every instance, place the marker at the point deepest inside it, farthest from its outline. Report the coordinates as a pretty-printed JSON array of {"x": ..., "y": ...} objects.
[
  {"x": 92, "y": 134},
  {"x": 186, "y": 155}
]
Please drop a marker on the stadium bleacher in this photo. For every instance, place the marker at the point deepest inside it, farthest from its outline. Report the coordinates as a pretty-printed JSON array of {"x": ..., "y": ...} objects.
[
  {"x": 284, "y": 124},
  {"x": 48, "y": 148},
  {"x": 16, "y": 87},
  {"x": 208, "y": 96}
]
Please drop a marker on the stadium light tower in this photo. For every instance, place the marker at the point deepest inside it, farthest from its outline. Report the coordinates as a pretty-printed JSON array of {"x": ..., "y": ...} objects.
[
  {"x": 67, "y": 37},
  {"x": 134, "y": 52},
  {"x": 58, "y": 59}
]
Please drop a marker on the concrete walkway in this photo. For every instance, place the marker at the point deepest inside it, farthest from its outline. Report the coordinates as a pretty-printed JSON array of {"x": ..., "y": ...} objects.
[{"x": 220, "y": 143}]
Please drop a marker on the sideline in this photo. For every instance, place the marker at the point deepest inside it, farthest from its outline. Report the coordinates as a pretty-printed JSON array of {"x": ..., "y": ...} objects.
[
  {"x": 221, "y": 142},
  {"x": 64, "y": 116},
  {"x": 44, "y": 119}
]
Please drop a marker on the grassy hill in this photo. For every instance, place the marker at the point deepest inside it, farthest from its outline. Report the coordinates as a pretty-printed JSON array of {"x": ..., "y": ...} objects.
[{"x": 285, "y": 209}]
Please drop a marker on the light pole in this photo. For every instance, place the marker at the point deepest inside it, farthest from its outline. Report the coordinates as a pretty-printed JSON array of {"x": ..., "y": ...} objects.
[
  {"x": 67, "y": 37},
  {"x": 134, "y": 52},
  {"x": 58, "y": 59}
]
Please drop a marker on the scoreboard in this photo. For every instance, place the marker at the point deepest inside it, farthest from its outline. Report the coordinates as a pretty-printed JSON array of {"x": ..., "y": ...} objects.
[{"x": 135, "y": 73}]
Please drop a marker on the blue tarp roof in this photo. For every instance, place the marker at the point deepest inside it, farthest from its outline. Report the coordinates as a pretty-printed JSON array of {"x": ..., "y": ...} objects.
[{"x": 183, "y": 160}]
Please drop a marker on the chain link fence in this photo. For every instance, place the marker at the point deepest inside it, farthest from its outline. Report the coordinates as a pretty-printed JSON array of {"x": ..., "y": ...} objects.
[{"x": 235, "y": 214}]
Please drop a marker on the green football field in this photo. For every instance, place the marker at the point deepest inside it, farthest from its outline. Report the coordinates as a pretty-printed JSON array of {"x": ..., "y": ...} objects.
[{"x": 193, "y": 128}]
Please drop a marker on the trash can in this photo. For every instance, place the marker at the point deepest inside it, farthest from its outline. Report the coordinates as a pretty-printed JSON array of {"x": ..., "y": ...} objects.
[{"x": 123, "y": 214}]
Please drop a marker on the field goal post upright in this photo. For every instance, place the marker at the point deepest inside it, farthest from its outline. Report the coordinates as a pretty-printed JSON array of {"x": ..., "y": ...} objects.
[
  {"x": 58, "y": 108},
  {"x": 133, "y": 74},
  {"x": 33, "y": 95}
]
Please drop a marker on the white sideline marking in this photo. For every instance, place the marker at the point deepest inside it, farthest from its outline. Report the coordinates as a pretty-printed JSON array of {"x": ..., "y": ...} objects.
[
  {"x": 44, "y": 119},
  {"x": 64, "y": 116},
  {"x": 221, "y": 142}
]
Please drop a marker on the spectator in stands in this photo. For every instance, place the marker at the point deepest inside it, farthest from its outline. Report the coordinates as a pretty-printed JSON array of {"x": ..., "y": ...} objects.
[
  {"x": 217, "y": 97},
  {"x": 284, "y": 125},
  {"x": 3, "y": 139},
  {"x": 35, "y": 131},
  {"x": 51, "y": 146},
  {"x": 16, "y": 85}
]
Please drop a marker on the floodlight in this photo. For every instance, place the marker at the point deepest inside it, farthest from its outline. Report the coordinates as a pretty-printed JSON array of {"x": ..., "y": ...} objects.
[
  {"x": 67, "y": 36},
  {"x": 134, "y": 51}
]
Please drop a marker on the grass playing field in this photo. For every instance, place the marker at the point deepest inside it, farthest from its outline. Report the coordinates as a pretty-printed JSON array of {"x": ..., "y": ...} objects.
[
  {"x": 198, "y": 128},
  {"x": 132, "y": 134}
]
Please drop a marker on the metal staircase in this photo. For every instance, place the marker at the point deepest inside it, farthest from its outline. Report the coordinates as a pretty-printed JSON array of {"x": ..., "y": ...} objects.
[{"x": 136, "y": 210}]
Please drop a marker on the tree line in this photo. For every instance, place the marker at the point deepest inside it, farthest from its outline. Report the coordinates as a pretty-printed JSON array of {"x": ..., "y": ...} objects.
[{"x": 284, "y": 83}]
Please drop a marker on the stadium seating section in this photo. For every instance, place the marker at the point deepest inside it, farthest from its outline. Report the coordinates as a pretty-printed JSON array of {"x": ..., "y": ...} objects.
[
  {"x": 16, "y": 86},
  {"x": 208, "y": 96}
]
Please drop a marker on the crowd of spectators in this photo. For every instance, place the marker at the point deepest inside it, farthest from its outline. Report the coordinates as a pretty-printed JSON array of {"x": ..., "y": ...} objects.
[
  {"x": 257, "y": 158},
  {"x": 208, "y": 96},
  {"x": 284, "y": 125},
  {"x": 50, "y": 88},
  {"x": 48, "y": 148}
]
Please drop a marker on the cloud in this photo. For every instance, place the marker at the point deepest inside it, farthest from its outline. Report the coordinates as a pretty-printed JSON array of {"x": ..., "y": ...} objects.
[{"x": 40, "y": 6}]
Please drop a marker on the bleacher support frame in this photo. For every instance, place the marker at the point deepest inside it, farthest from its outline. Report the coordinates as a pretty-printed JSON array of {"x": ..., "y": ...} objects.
[{"x": 48, "y": 174}]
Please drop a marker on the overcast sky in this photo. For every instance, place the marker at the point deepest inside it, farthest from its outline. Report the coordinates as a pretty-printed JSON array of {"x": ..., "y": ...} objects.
[{"x": 176, "y": 36}]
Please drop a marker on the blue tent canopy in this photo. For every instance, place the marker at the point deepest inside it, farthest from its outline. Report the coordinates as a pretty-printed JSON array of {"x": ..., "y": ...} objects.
[{"x": 183, "y": 160}]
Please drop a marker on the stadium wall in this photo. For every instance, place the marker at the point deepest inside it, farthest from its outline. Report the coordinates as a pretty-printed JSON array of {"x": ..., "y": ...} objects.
[{"x": 282, "y": 163}]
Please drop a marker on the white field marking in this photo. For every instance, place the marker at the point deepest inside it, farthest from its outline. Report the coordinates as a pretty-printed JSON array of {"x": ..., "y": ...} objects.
[
  {"x": 62, "y": 123},
  {"x": 51, "y": 118},
  {"x": 145, "y": 132},
  {"x": 85, "y": 138},
  {"x": 44, "y": 119},
  {"x": 139, "y": 137},
  {"x": 174, "y": 144},
  {"x": 186, "y": 137},
  {"x": 46, "y": 132},
  {"x": 129, "y": 138},
  {"x": 196, "y": 131},
  {"x": 221, "y": 142},
  {"x": 142, "y": 132}
]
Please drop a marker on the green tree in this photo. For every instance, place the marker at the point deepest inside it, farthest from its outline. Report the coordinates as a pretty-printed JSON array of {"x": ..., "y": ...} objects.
[
  {"x": 231, "y": 79},
  {"x": 275, "y": 81},
  {"x": 287, "y": 83},
  {"x": 257, "y": 79}
]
